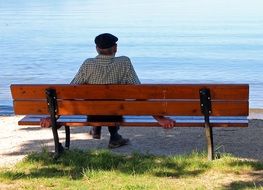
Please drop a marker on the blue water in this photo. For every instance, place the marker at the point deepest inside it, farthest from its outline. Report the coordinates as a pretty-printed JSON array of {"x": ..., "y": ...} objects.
[{"x": 169, "y": 41}]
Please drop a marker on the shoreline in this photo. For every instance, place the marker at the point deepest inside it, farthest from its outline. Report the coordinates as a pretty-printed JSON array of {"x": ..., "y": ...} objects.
[{"x": 255, "y": 113}]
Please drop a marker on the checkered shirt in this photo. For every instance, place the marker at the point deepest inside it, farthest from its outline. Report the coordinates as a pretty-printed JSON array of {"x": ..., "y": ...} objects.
[{"x": 104, "y": 69}]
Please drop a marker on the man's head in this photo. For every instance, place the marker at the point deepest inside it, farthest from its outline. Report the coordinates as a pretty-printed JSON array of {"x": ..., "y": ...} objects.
[{"x": 106, "y": 44}]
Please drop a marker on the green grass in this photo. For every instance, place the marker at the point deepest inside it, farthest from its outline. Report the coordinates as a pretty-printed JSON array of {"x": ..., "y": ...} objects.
[{"x": 101, "y": 169}]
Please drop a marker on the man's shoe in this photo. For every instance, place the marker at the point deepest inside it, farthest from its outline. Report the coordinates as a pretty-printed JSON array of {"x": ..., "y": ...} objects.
[
  {"x": 95, "y": 134},
  {"x": 117, "y": 143}
]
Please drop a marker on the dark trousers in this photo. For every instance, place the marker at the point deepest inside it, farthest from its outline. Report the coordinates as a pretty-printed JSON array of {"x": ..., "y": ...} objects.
[{"x": 113, "y": 130}]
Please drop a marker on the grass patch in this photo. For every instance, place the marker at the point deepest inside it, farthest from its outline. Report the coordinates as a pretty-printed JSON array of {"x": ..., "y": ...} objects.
[{"x": 101, "y": 169}]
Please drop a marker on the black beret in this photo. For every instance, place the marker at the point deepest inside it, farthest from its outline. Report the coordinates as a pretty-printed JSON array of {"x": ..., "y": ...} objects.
[{"x": 106, "y": 40}]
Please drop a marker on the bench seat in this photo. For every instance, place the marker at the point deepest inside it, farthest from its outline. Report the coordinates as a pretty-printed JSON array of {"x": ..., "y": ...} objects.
[{"x": 140, "y": 121}]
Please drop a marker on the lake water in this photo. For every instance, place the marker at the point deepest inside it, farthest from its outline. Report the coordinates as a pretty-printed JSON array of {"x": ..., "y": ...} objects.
[{"x": 169, "y": 41}]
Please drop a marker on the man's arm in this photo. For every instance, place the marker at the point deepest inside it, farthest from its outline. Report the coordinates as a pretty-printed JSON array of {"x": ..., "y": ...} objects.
[
  {"x": 80, "y": 76},
  {"x": 131, "y": 76}
]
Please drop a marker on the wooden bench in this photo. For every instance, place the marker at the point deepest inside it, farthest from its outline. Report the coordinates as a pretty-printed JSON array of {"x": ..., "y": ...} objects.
[{"x": 192, "y": 105}]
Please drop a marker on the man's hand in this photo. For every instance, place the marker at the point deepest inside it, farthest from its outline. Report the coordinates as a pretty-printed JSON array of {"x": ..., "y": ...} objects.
[
  {"x": 165, "y": 122},
  {"x": 45, "y": 122}
]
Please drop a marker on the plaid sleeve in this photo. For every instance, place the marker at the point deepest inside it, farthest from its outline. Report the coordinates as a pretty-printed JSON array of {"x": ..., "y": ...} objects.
[
  {"x": 131, "y": 77},
  {"x": 80, "y": 76}
]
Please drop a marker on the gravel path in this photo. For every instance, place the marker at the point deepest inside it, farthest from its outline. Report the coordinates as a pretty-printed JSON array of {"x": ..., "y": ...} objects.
[{"x": 17, "y": 141}]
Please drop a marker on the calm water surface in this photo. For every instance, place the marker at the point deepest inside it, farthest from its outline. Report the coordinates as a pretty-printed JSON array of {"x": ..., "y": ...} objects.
[{"x": 168, "y": 41}]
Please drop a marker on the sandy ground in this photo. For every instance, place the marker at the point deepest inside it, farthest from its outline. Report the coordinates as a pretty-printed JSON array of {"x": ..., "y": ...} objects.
[{"x": 17, "y": 141}]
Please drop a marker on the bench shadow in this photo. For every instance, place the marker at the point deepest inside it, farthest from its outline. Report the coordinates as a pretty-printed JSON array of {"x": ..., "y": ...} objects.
[
  {"x": 240, "y": 185},
  {"x": 77, "y": 163},
  {"x": 139, "y": 136},
  {"x": 256, "y": 183}
]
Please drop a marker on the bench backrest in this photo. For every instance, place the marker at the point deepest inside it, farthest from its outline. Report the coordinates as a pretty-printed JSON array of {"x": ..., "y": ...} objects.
[{"x": 144, "y": 99}]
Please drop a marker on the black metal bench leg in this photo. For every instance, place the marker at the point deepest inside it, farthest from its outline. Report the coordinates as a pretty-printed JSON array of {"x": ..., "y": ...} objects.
[
  {"x": 206, "y": 109},
  {"x": 58, "y": 146},
  {"x": 53, "y": 109},
  {"x": 209, "y": 140},
  {"x": 67, "y": 131}
]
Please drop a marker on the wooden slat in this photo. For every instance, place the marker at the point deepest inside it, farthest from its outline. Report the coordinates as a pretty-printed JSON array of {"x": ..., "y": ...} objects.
[
  {"x": 136, "y": 122},
  {"x": 143, "y": 91},
  {"x": 30, "y": 107},
  {"x": 192, "y": 108}
]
